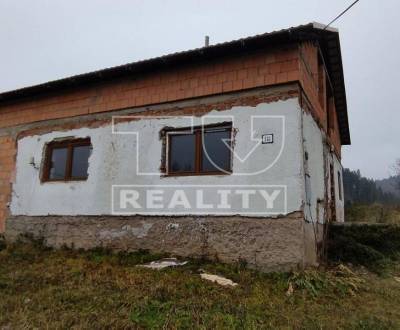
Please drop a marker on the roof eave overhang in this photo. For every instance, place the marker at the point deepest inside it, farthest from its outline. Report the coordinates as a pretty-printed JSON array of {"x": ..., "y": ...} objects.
[{"x": 330, "y": 46}]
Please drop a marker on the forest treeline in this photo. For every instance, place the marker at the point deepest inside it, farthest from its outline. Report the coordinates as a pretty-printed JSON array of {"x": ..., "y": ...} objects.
[{"x": 361, "y": 190}]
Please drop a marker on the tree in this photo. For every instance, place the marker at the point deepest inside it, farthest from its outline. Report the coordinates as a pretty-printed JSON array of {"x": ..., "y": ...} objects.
[
  {"x": 361, "y": 190},
  {"x": 396, "y": 168}
]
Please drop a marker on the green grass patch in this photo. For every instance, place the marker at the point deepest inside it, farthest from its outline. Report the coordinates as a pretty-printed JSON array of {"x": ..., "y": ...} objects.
[{"x": 43, "y": 288}]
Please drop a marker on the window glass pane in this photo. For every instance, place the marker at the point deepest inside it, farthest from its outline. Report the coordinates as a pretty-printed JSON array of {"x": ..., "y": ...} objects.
[
  {"x": 80, "y": 161},
  {"x": 58, "y": 163},
  {"x": 216, "y": 155},
  {"x": 182, "y": 153}
]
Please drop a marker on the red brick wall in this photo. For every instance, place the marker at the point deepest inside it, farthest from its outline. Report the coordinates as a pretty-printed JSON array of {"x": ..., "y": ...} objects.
[
  {"x": 313, "y": 81},
  {"x": 229, "y": 75},
  {"x": 334, "y": 132},
  {"x": 309, "y": 73},
  {"x": 7, "y": 170}
]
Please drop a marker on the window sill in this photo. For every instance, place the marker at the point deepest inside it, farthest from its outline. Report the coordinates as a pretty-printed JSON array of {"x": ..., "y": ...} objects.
[
  {"x": 167, "y": 175},
  {"x": 64, "y": 181}
]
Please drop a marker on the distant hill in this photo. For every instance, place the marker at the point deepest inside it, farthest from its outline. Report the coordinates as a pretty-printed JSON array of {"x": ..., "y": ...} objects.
[
  {"x": 361, "y": 190},
  {"x": 390, "y": 185}
]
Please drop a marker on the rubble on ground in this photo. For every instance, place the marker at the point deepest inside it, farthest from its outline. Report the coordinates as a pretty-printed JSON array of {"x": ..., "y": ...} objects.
[
  {"x": 218, "y": 279},
  {"x": 164, "y": 263}
]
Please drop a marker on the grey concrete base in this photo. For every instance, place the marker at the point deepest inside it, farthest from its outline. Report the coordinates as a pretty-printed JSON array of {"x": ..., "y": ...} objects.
[{"x": 265, "y": 244}]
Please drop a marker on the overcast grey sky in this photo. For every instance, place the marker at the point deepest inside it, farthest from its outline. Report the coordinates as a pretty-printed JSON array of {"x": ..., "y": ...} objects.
[{"x": 44, "y": 40}]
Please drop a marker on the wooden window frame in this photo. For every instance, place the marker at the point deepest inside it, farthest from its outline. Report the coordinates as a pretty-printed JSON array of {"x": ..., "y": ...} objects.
[
  {"x": 198, "y": 132},
  {"x": 69, "y": 145}
]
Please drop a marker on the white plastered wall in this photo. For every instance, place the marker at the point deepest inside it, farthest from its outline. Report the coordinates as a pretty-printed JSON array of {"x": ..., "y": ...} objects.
[
  {"x": 339, "y": 202},
  {"x": 113, "y": 162},
  {"x": 314, "y": 169}
]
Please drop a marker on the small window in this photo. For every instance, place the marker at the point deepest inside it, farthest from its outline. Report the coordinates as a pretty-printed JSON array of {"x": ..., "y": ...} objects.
[
  {"x": 67, "y": 160},
  {"x": 199, "y": 151},
  {"x": 340, "y": 185}
]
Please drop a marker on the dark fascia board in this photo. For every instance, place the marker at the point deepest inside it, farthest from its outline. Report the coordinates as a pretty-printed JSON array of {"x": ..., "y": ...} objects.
[
  {"x": 330, "y": 47},
  {"x": 328, "y": 39}
]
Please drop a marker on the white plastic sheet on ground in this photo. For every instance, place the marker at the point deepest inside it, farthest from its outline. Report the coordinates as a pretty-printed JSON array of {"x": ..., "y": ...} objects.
[{"x": 164, "y": 263}]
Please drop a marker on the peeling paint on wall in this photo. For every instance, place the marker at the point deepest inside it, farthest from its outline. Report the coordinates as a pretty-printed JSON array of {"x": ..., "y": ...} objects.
[
  {"x": 313, "y": 145},
  {"x": 337, "y": 166},
  {"x": 318, "y": 158},
  {"x": 113, "y": 161},
  {"x": 136, "y": 231}
]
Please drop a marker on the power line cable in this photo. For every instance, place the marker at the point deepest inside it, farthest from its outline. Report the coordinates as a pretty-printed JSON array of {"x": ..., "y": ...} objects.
[{"x": 341, "y": 14}]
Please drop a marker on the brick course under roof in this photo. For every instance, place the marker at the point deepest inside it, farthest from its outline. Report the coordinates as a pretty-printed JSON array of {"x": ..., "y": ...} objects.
[{"x": 328, "y": 40}]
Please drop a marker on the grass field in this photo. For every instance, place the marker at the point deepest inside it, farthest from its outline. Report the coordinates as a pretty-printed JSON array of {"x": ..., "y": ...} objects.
[
  {"x": 373, "y": 213},
  {"x": 42, "y": 288}
]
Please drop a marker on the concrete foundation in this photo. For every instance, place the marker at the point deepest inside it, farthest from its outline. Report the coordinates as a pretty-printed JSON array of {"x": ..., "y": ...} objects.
[{"x": 265, "y": 244}]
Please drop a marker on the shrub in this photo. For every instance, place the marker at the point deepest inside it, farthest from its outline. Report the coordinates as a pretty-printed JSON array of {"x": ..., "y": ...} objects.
[
  {"x": 340, "y": 280},
  {"x": 2, "y": 242},
  {"x": 374, "y": 246}
]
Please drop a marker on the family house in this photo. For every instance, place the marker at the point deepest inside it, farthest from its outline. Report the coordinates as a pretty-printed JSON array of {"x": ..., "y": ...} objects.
[{"x": 230, "y": 151}]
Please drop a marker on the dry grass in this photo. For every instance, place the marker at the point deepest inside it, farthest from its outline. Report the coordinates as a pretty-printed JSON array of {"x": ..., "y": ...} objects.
[
  {"x": 41, "y": 288},
  {"x": 373, "y": 213}
]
